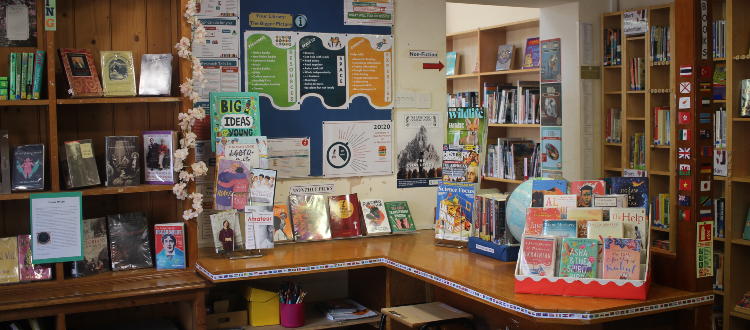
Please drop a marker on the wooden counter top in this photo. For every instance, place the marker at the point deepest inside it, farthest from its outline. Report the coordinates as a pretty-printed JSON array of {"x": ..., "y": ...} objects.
[{"x": 479, "y": 277}]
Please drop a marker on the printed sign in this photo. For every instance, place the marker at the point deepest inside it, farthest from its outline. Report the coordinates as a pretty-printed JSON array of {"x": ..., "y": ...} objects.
[
  {"x": 423, "y": 54},
  {"x": 50, "y": 15},
  {"x": 357, "y": 148},
  {"x": 222, "y": 38},
  {"x": 705, "y": 250},
  {"x": 270, "y": 20},
  {"x": 704, "y": 30},
  {"x": 635, "y": 22},
  {"x": 373, "y": 12},
  {"x": 306, "y": 189},
  {"x": 419, "y": 138}
]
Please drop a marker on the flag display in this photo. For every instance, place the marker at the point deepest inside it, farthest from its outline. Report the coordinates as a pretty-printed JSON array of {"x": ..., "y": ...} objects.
[
  {"x": 684, "y": 169},
  {"x": 685, "y": 185},
  {"x": 684, "y": 200},
  {"x": 684, "y": 153},
  {"x": 683, "y": 118}
]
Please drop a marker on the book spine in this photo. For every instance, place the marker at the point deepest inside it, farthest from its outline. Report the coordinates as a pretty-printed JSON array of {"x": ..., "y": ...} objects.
[
  {"x": 24, "y": 74},
  {"x": 19, "y": 67},
  {"x": 30, "y": 77},
  {"x": 38, "y": 73},
  {"x": 11, "y": 77}
]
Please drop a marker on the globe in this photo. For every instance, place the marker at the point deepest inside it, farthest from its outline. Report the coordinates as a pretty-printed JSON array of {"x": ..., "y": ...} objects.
[{"x": 515, "y": 208}]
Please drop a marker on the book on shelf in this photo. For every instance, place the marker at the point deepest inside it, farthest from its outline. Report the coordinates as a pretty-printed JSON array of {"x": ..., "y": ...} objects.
[
  {"x": 661, "y": 244},
  {"x": 234, "y": 115},
  {"x": 563, "y": 201},
  {"x": 455, "y": 210},
  {"x": 504, "y": 57},
  {"x": 510, "y": 154},
  {"x": 528, "y": 103},
  {"x": 718, "y": 271},
  {"x": 129, "y": 244},
  {"x": 720, "y": 129},
  {"x": 721, "y": 167},
  {"x": 156, "y": 75},
  {"x": 453, "y": 60},
  {"x": 36, "y": 85},
  {"x": 621, "y": 259},
  {"x": 310, "y": 217},
  {"x": 467, "y": 99},
  {"x": 660, "y": 216},
  {"x": 746, "y": 230},
  {"x": 662, "y": 126},
  {"x": 335, "y": 306},
  {"x": 9, "y": 262},
  {"x": 5, "y": 171},
  {"x": 24, "y": 75},
  {"x": 491, "y": 224},
  {"x": 399, "y": 216},
  {"x": 614, "y": 131},
  {"x": 259, "y": 227},
  {"x": 612, "y": 47},
  {"x": 282, "y": 224},
  {"x": 531, "y": 54},
  {"x": 27, "y": 270},
  {"x": 118, "y": 73},
  {"x": 637, "y": 74},
  {"x": 586, "y": 191},
  {"x": 123, "y": 161},
  {"x": 80, "y": 71},
  {"x": 551, "y": 105},
  {"x": 344, "y": 211},
  {"x": 95, "y": 250},
  {"x": 12, "y": 84},
  {"x": 745, "y": 98},
  {"x": 717, "y": 317},
  {"x": 535, "y": 217},
  {"x": 659, "y": 44},
  {"x": 720, "y": 82},
  {"x": 635, "y": 188},
  {"x": 635, "y": 22},
  {"x": 78, "y": 164},
  {"x": 719, "y": 216},
  {"x": 541, "y": 188},
  {"x": 638, "y": 151},
  {"x": 158, "y": 163},
  {"x": 169, "y": 245},
  {"x": 227, "y": 231},
  {"x": 466, "y": 126},
  {"x": 578, "y": 257},
  {"x": 719, "y": 38},
  {"x": 28, "y": 168},
  {"x": 375, "y": 217},
  {"x": 538, "y": 255}
]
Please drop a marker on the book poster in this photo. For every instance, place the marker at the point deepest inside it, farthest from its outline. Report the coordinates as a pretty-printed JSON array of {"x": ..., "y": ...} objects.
[
  {"x": 222, "y": 38},
  {"x": 220, "y": 75},
  {"x": 419, "y": 136},
  {"x": 552, "y": 158},
  {"x": 551, "y": 111},
  {"x": 271, "y": 67},
  {"x": 550, "y": 66},
  {"x": 322, "y": 64},
  {"x": 357, "y": 148},
  {"x": 375, "y": 13},
  {"x": 290, "y": 157},
  {"x": 56, "y": 227},
  {"x": 705, "y": 250}
]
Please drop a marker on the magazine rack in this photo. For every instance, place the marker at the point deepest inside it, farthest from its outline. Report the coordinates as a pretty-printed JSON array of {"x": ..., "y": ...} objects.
[{"x": 244, "y": 256}]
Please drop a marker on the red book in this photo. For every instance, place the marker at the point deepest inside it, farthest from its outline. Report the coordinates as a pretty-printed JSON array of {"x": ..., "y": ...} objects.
[
  {"x": 345, "y": 220},
  {"x": 170, "y": 245},
  {"x": 586, "y": 191},
  {"x": 81, "y": 72},
  {"x": 27, "y": 270},
  {"x": 535, "y": 217}
]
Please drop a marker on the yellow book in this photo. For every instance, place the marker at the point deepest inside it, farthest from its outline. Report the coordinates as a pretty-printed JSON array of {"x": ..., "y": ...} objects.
[
  {"x": 118, "y": 73},
  {"x": 9, "y": 260}
]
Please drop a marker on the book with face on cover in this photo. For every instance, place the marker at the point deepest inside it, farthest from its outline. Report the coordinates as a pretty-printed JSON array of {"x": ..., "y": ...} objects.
[
  {"x": 158, "y": 147},
  {"x": 586, "y": 191},
  {"x": 621, "y": 259},
  {"x": 156, "y": 74},
  {"x": 578, "y": 257},
  {"x": 535, "y": 217},
  {"x": 635, "y": 225},
  {"x": 282, "y": 224},
  {"x": 399, "y": 216},
  {"x": 123, "y": 161},
  {"x": 345, "y": 221},
  {"x": 28, "y": 168},
  {"x": 310, "y": 217},
  {"x": 78, "y": 164},
  {"x": 81, "y": 73},
  {"x": 170, "y": 245},
  {"x": 27, "y": 270},
  {"x": 538, "y": 255},
  {"x": 227, "y": 231},
  {"x": 118, "y": 73},
  {"x": 374, "y": 216},
  {"x": 95, "y": 250}
]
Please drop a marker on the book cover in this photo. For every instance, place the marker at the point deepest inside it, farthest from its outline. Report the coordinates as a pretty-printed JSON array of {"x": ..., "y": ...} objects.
[
  {"x": 27, "y": 270},
  {"x": 504, "y": 57},
  {"x": 399, "y": 216},
  {"x": 585, "y": 213},
  {"x": 550, "y": 65},
  {"x": 234, "y": 115},
  {"x": 247, "y": 153},
  {"x": 551, "y": 105},
  {"x": 227, "y": 231},
  {"x": 455, "y": 203},
  {"x": 564, "y": 202},
  {"x": 19, "y": 73},
  {"x": 262, "y": 190},
  {"x": 578, "y": 257},
  {"x": 552, "y": 156},
  {"x": 635, "y": 224},
  {"x": 531, "y": 55},
  {"x": 156, "y": 74},
  {"x": 538, "y": 255},
  {"x": 466, "y": 126},
  {"x": 9, "y": 262},
  {"x": 261, "y": 143},
  {"x": 259, "y": 225},
  {"x": 621, "y": 259},
  {"x": 30, "y": 77},
  {"x": 12, "y": 89},
  {"x": 560, "y": 228},
  {"x": 310, "y": 217},
  {"x": 123, "y": 161},
  {"x": 28, "y": 167},
  {"x": 282, "y": 224},
  {"x": 720, "y": 82},
  {"x": 78, "y": 164},
  {"x": 451, "y": 63},
  {"x": 158, "y": 163},
  {"x": 460, "y": 163},
  {"x": 345, "y": 221},
  {"x": 95, "y": 250},
  {"x": 719, "y": 271},
  {"x": 169, "y": 242},
  {"x": 374, "y": 216},
  {"x": 80, "y": 70},
  {"x": 746, "y": 231},
  {"x": 635, "y": 188},
  {"x": 39, "y": 59},
  {"x": 232, "y": 184},
  {"x": 535, "y": 217},
  {"x": 522, "y": 152},
  {"x": 118, "y": 73},
  {"x": 586, "y": 191},
  {"x": 540, "y": 188},
  {"x": 721, "y": 165},
  {"x": 5, "y": 170},
  {"x": 600, "y": 230},
  {"x": 129, "y": 244},
  {"x": 419, "y": 160}
]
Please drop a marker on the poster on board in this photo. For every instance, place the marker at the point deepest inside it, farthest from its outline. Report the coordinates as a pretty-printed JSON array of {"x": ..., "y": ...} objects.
[
  {"x": 550, "y": 66},
  {"x": 370, "y": 69},
  {"x": 271, "y": 67},
  {"x": 290, "y": 157},
  {"x": 218, "y": 8},
  {"x": 357, "y": 148},
  {"x": 375, "y": 12},
  {"x": 222, "y": 38},
  {"x": 322, "y": 64},
  {"x": 220, "y": 75},
  {"x": 419, "y": 138},
  {"x": 552, "y": 158}
]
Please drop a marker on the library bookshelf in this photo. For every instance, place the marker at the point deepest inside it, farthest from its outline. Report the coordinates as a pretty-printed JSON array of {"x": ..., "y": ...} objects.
[
  {"x": 478, "y": 48},
  {"x": 143, "y": 27}
]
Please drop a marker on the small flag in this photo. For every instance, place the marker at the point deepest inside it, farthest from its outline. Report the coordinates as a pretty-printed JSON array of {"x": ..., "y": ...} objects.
[
  {"x": 684, "y": 153},
  {"x": 684, "y": 169},
  {"x": 705, "y": 151},
  {"x": 684, "y": 102},
  {"x": 705, "y": 87},
  {"x": 684, "y": 200},
  {"x": 685, "y": 215},
  {"x": 705, "y": 115},
  {"x": 685, "y": 87},
  {"x": 705, "y": 72},
  {"x": 705, "y": 134},
  {"x": 705, "y": 185},
  {"x": 705, "y": 118},
  {"x": 683, "y": 117},
  {"x": 706, "y": 168},
  {"x": 706, "y": 101},
  {"x": 684, "y": 135},
  {"x": 705, "y": 215},
  {"x": 704, "y": 121},
  {"x": 686, "y": 70},
  {"x": 685, "y": 185},
  {"x": 705, "y": 201}
]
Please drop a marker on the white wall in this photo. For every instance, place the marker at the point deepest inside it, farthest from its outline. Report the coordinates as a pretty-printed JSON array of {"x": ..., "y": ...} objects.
[{"x": 463, "y": 17}]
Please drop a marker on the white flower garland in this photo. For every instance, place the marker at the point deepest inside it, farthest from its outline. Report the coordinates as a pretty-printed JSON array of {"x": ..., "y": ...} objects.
[{"x": 187, "y": 120}]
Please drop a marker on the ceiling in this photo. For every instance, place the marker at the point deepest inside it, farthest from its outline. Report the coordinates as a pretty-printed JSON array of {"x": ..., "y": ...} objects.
[{"x": 517, "y": 3}]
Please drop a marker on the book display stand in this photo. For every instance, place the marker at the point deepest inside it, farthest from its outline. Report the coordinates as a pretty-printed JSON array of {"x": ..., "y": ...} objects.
[{"x": 229, "y": 255}]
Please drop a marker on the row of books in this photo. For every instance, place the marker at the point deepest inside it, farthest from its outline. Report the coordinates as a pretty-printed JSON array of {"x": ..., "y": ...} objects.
[
  {"x": 622, "y": 192},
  {"x": 662, "y": 126},
  {"x": 118, "y": 73},
  {"x": 719, "y": 271},
  {"x": 660, "y": 48},
  {"x": 719, "y": 42},
  {"x": 614, "y": 127},
  {"x": 531, "y": 56},
  {"x": 31, "y": 323},
  {"x": 520, "y": 104},
  {"x": 720, "y": 128},
  {"x": 720, "y": 82},
  {"x": 490, "y": 223},
  {"x": 719, "y": 216},
  {"x": 661, "y": 244},
  {"x": 637, "y": 67},
  {"x": 638, "y": 151},
  {"x": 612, "y": 47},
  {"x": 660, "y": 216},
  {"x": 467, "y": 99},
  {"x": 25, "y": 76},
  {"x": 513, "y": 158}
]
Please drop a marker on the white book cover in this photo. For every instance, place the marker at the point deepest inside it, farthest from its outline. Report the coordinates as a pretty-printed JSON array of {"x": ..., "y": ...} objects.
[
  {"x": 375, "y": 217},
  {"x": 564, "y": 202},
  {"x": 259, "y": 225},
  {"x": 635, "y": 225}
]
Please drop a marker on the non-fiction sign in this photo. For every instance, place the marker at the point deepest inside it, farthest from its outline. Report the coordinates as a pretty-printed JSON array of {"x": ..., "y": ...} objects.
[
  {"x": 222, "y": 38},
  {"x": 357, "y": 148}
]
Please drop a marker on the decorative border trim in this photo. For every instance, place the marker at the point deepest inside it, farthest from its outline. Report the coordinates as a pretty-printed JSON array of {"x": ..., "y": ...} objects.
[{"x": 494, "y": 301}]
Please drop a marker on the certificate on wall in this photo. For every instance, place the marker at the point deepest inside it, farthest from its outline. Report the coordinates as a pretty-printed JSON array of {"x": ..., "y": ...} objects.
[
  {"x": 357, "y": 148},
  {"x": 222, "y": 38},
  {"x": 290, "y": 157},
  {"x": 56, "y": 229}
]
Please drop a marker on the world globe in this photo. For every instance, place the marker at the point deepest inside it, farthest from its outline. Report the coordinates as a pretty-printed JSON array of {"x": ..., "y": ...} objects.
[{"x": 515, "y": 208}]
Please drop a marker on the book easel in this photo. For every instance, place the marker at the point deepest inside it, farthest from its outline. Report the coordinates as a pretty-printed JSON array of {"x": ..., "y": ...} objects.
[
  {"x": 245, "y": 256},
  {"x": 460, "y": 238}
]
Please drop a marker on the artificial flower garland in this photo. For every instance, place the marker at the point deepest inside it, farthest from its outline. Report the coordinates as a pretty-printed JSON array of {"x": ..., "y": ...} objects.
[{"x": 187, "y": 119}]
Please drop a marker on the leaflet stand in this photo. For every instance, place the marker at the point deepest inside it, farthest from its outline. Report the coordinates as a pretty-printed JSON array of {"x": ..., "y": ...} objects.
[
  {"x": 244, "y": 256},
  {"x": 459, "y": 246}
]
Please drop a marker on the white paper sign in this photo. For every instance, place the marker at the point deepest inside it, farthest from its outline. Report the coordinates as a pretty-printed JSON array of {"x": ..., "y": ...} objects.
[
  {"x": 290, "y": 157},
  {"x": 308, "y": 189},
  {"x": 17, "y": 22},
  {"x": 377, "y": 13},
  {"x": 222, "y": 38},
  {"x": 218, "y": 8},
  {"x": 357, "y": 148},
  {"x": 635, "y": 22},
  {"x": 221, "y": 75},
  {"x": 56, "y": 233}
]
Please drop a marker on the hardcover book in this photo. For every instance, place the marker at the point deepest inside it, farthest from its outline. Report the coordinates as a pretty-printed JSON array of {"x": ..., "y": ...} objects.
[
  {"x": 40, "y": 59},
  {"x": 78, "y": 165},
  {"x": 282, "y": 224},
  {"x": 158, "y": 163},
  {"x": 227, "y": 231},
  {"x": 504, "y": 57},
  {"x": 535, "y": 217},
  {"x": 586, "y": 191},
  {"x": 345, "y": 221},
  {"x": 234, "y": 115},
  {"x": 635, "y": 188},
  {"x": 81, "y": 73},
  {"x": 123, "y": 161},
  {"x": 466, "y": 126},
  {"x": 538, "y": 255},
  {"x": 28, "y": 168},
  {"x": 621, "y": 259},
  {"x": 310, "y": 217},
  {"x": 455, "y": 209},
  {"x": 399, "y": 216},
  {"x": 531, "y": 55},
  {"x": 259, "y": 227},
  {"x": 5, "y": 168},
  {"x": 232, "y": 184},
  {"x": 460, "y": 163},
  {"x": 9, "y": 262},
  {"x": 551, "y": 105},
  {"x": 156, "y": 74},
  {"x": 95, "y": 250},
  {"x": 374, "y": 216},
  {"x": 578, "y": 257},
  {"x": 169, "y": 245},
  {"x": 129, "y": 244},
  {"x": 635, "y": 224},
  {"x": 27, "y": 270},
  {"x": 540, "y": 188},
  {"x": 118, "y": 73}
]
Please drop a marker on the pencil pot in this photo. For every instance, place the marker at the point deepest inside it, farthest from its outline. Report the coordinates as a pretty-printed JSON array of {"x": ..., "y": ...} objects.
[{"x": 292, "y": 315}]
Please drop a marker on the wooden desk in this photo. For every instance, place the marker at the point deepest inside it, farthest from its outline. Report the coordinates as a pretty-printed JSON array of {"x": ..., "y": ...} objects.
[{"x": 473, "y": 276}]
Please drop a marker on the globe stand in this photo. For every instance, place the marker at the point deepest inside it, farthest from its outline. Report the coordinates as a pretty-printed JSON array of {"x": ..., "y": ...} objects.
[{"x": 461, "y": 236}]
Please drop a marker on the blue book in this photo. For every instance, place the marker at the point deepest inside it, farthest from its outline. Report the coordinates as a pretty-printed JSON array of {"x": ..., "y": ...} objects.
[
  {"x": 560, "y": 228},
  {"x": 635, "y": 188},
  {"x": 455, "y": 203},
  {"x": 539, "y": 188}
]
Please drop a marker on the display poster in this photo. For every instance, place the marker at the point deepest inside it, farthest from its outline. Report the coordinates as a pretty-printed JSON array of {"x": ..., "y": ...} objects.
[
  {"x": 218, "y": 8},
  {"x": 550, "y": 67},
  {"x": 271, "y": 68},
  {"x": 419, "y": 138},
  {"x": 322, "y": 63},
  {"x": 56, "y": 231},
  {"x": 375, "y": 12},
  {"x": 357, "y": 148},
  {"x": 220, "y": 75},
  {"x": 371, "y": 69},
  {"x": 222, "y": 38},
  {"x": 705, "y": 250},
  {"x": 552, "y": 148},
  {"x": 290, "y": 157}
]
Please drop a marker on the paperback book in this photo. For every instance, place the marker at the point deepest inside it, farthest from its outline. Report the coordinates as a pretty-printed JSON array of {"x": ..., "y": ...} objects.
[
  {"x": 504, "y": 57},
  {"x": 227, "y": 231},
  {"x": 399, "y": 217},
  {"x": 310, "y": 217},
  {"x": 129, "y": 241},
  {"x": 232, "y": 184},
  {"x": 28, "y": 168},
  {"x": 531, "y": 54},
  {"x": 578, "y": 257},
  {"x": 158, "y": 163},
  {"x": 635, "y": 224},
  {"x": 535, "y": 217},
  {"x": 622, "y": 259},
  {"x": 282, "y": 224},
  {"x": 262, "y": 189},
  {"x": 5, "y": 169},
  {"x": 374, "y": 216},
  {"x": 95, "y": 250},
  {"x": 586, "y": 191},
  {"x": 27, "y": 270},
  {"x": 78, "y": 165},
  {"x": 170, "y": 245},
  {"x": 9, "y": 262},
  {"x": 455, "y": 203},
  {"x": 564, "y": 202},
  {"x": 538, "y": 255},
  {"x": 118, "y": 73},
  {"x": 234, "y": 115},
  {"x": 600, "y": 230},
  {"x": 635, "y": 188},
  {"x": 560, "y": 228},
  {"x": 156, "y": 74},
  {"x": 81, "y": 73},
  {"x": 541, "y": 188},
  {"x": 259, "y": 229},
  {"x": 452, "y": 61},
  {"x": 123, "y": 161},
  {"x": 345, "y": 221}
]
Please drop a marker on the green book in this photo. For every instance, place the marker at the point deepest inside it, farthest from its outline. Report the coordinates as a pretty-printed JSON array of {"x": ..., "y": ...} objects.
[
  {"x": 665, "y": 221},
  {"x": 12, "y": 74},
  {"x": 399, "y": 216},
  {"x": 234, "y": 115},
  {"x": 746, "y": 232},
  {"x": 38, "y": 72},
  {"x": 19, "y": 67},
  {"x": 30, "y": 76},
  {"x": 578, "y": 257},
  {"x": 24, "y": 74}
]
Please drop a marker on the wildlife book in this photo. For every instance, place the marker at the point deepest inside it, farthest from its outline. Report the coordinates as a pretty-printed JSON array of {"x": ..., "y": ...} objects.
[
  {"x": 5, "y": 168},
  {"x": 621, "y": 259},
  {"x": 586, "y": 191},
  {"x": 399, "y": 217},
  {"x": 531, "y": 54},
  {"x": 81, "y": 73},
  {"x": 466, "y": 126},
  {"x": 9, "y": 262},
  {"x": 27, "y": 270},
  {"x": 28, "y": 168},
  {"x": 227, "y": 231},
  {"x": 129, "y": 244},
  {"x": 578, "y": 257},
  {"x": 635, "y": 224},
  {"x": 118, "y": 73},
  {"x": 78, "y": 165},
  {"x": 535, "y": 217},
  {"x": 453, "y": 60},
  {"x": 635, "y": 188},
  {"x": 310, "y": 217},
  {"x": 504, "y": 57},
  {"x": 455, "y": 210},
  {"x": 234, "y": 115},
  {"x": 123, "y": 161},
  {"x": 551, "y": 104},
  {"x": 95, "y": 250},
  {"x": 282, "y": 224},
  {"x": 232, "y": 184},
  {"x": 156, "y": 75},
  {"x": 538, "y": 255},
  {"x": 345, "y": 213},
  {"x": 169, "y": 245},
  {"x": 540, "y": 188},
  {"x": 375, "y": 217},
  {"x": 460, "y": 163},
  {"x": 158, "y": 162}
]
